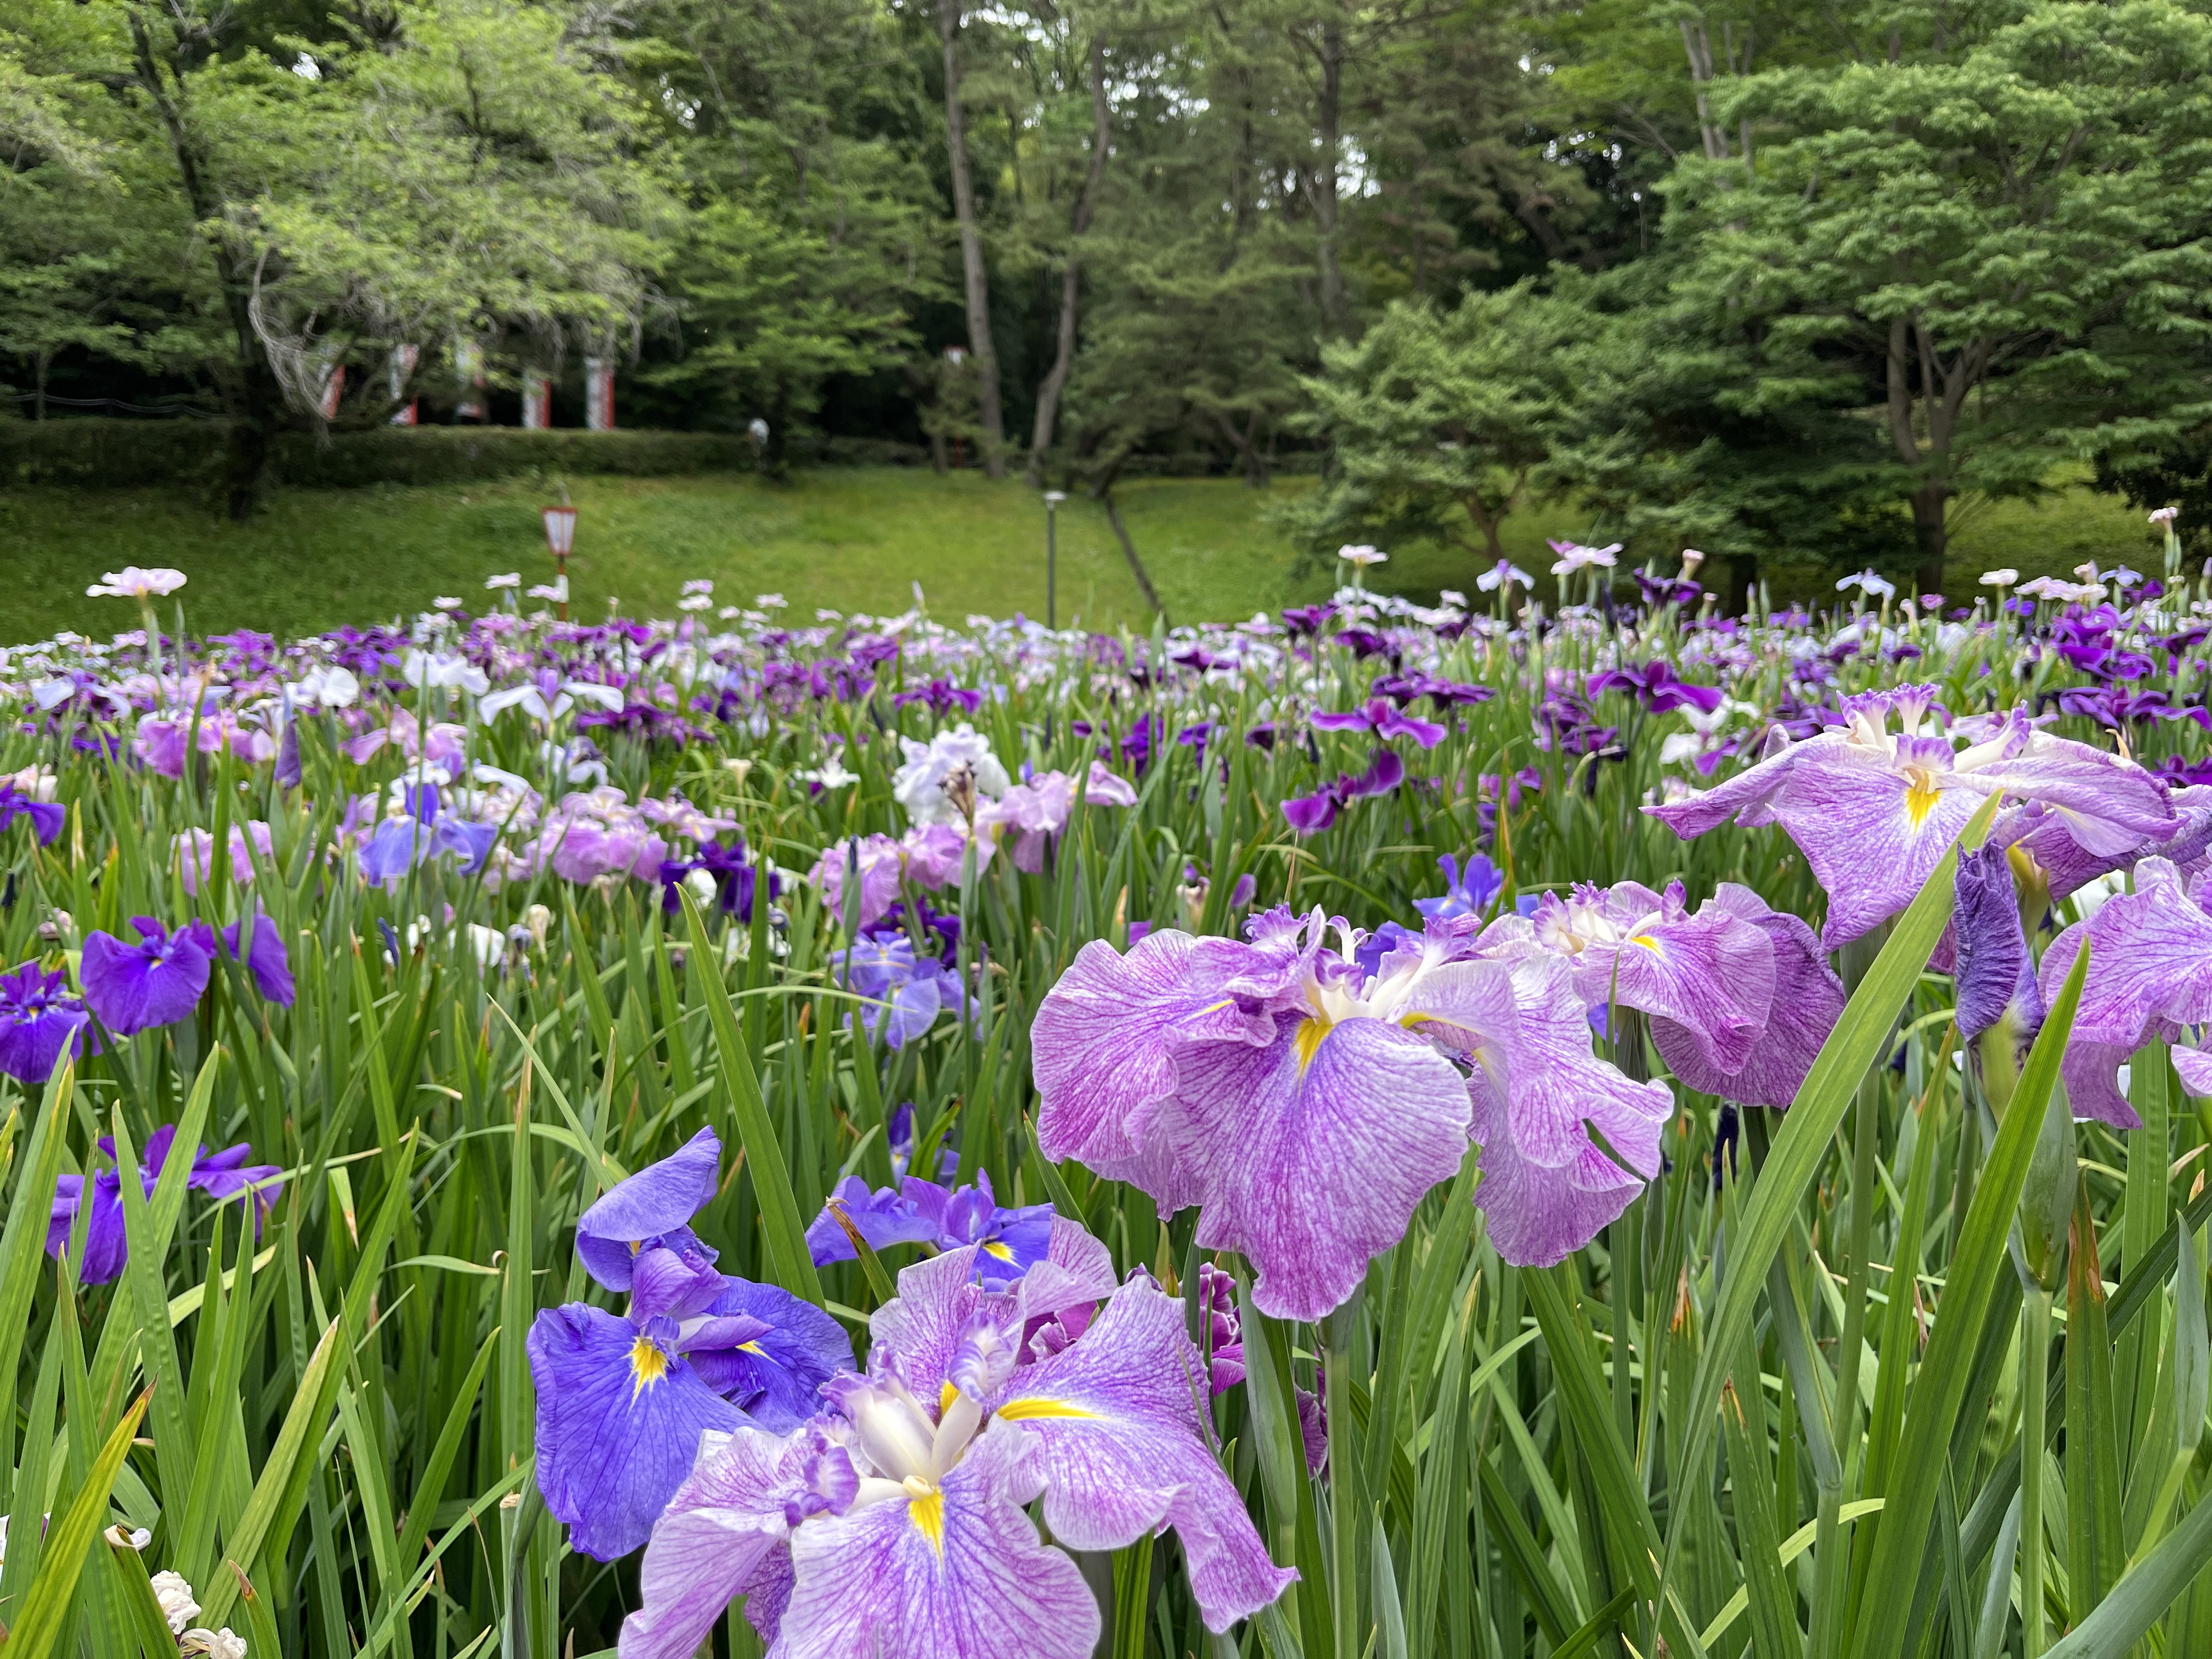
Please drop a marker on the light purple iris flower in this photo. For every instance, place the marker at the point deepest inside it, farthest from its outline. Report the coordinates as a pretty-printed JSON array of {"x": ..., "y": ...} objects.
[
  {"x": 2066, "y": 867},
  {"x": 1739, "y": 996},
  {"x": 1307, "y": 1103},
  {"x": 1467, "y": 893},
  {"x": 157, "y": 981},
  {"x": 401, "y": 844},
  {"x": 919, "y": 1211},
  {"x": 1873, "y": 810},
  {"x": 906, "y": 992},
  {"x": 2150, "y": 974},
  {"x": 39, "y": 1022},
  {"x": 893, "y": 1524},
  {"x": 623, "y": 1400},
  {"x": 222, "y": 1176}
]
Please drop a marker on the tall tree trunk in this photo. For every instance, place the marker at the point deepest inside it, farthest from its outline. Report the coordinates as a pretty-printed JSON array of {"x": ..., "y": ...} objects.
[
  {"x": 979, "y": 348},
  {"x": 1929, "y": 531},
  {"x": 45, "y": 358},
  {"x": 1330, "y": 124},
  {"x": 1932, "y": 496},
  {"x": 1063, "y": 359},
  {"x": 256, "y": 401}
]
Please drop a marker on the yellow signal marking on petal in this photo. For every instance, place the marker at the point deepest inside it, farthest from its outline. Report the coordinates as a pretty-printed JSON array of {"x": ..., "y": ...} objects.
[
  {"x": 1311, "y": 1030},
  {"x": 1215, "y": 1008},
  {"x": 647, "y": 1365},
  {"x": 752, "y": 1347},
  {"x": 926, "y": 1511},
  {"x": 1920, "y": 800},
  {"x": 1646, "y": 941},
  {"x": 945, "y": 1397},
  {"x": 992, "y": 1248},
  {"x": 1035, "y": 1409}
]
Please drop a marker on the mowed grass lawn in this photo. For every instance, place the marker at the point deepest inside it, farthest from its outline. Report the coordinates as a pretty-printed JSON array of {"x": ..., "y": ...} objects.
[{"x": 847, "y": 539}]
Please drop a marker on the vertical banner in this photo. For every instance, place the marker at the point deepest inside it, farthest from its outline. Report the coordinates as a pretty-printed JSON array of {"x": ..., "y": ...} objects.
[
  {"x": 469, "y": 370},
  {"x": 600, "y": 394},
  {"x": 403, "y": 358},
  {"x": 537, "y": 400},
  {"x": 333, "y": 389}
]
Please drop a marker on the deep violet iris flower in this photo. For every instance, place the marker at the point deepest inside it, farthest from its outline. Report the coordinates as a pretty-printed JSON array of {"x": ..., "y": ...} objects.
[
  {"x": 264, "y": 957},
  {"x": 893, "y": 1522},
  {"x": 156, "y": 981},
  {"x": 623, "y": 1400},
  {"x": 1739, "y": 996},
  {"x": 46, "y": 818},
  {"x": 222, "y": 1176},
  {"x": 1468, "y": 892},
  {"x": 1874, "y": 810},
  {"x": 1311, "y": 814},
  {"x": 1306, "y": 1104},
  {"x": 39, "y": 1022},
  {"x": 1383, "y": 718},
  {"x": 2000, "y": 1006},
  {"x": 1009, "y": 1242},
  {"x": 1657, "y": 687}
]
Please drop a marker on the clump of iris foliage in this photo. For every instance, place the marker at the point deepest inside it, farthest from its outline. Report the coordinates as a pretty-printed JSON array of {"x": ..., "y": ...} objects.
[{"x": 1379, "y": 1131}]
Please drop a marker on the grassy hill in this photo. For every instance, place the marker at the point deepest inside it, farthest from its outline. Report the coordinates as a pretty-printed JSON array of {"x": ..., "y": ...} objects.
[{"x": 846, "y": 540}]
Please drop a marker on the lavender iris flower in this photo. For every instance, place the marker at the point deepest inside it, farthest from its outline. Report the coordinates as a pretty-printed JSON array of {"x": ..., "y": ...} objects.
[
  {"x": 1009, "y": 1242},
  {"x": 1739, "y": 995},
  {"x": 157, "y": 981},
  {"x": 1873, "y": 810},
  {"x": 46, "y": 818},
  {"x": 1307, "y": 1103},
  {"x": 623, "y": 1400},
  {"x": 893, "y": 1524},
  {"x": 264, "y": 957},
  {"x": 222, "y": 1176},
  {"x": 2150, "y": 974},
  {"x": 39, "y": 1022},
  {"x": 1383, "y": 719},
  {"x": 906, "y": 992},
  {"x": 401, "y": 844}
]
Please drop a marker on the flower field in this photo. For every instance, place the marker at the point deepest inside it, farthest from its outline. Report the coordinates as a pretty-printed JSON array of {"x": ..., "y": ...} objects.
[{"x": 1377, "y": 1131}]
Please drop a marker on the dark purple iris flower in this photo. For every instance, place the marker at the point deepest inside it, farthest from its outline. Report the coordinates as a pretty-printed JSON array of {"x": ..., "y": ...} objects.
[
  {"x": 1379, "y": 716},
  {"x": 736, "y": 879},
  {"x": 1301, "y": 619},
  {"x": 921, "y": 1211},
  {"x": 1364, "y": 642},
  {"x": 1409, "y": 688},
  {"x": 46, "y": 818},
  {"x": 1311, "y": 814},
  {"x": 156, "y": 981},
  {"x": 39, "y": 1022},
  {"x": 1657, "y": 687},
  {"x": 264, "y": 957},
  {"x": 942, "y": 697},
  {"x": 1469, "y": 892},
  {"x": 1661, "y": 591},
  {"x": 222, "y": 1176},
  {"x": 1144, "y": 737}
]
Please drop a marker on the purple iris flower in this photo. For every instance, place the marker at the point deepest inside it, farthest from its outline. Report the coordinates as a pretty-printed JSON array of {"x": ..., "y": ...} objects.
[
  {"x": 39, "y": 1022},
  {"x": 894, "y": 1524},
  {"x": 735, "y": 878},
  {"x": 1009, "y": 1242},
  {"x": 157, "y": 981},
  {"x": 2041, "y": 842},
  {"x": 942, "y": 697},
  {"x": 2150, "y": 974},
  {"x": 623, "y": 1400},
  {"x": 1383, "y": 718},
  {"x": 264, "y": 957},
  {"x": 905, "y": 992},
  {"x": 1307, "y": 1105},
  {"x": 401, "y": 844},
  {"x": 46, "y": 818},
  {"x": 2000, "y": 1006},
  {"x": 1309, "y": 815},
  {"x": 1657, "y": 687},
  {"x": 1468, "y": 893},
  {"x": 1873, "y": 810},
  {"x": 1739, "y": 996},
  {"x": 222, "y": 1176},
  {"x": 1409, "y": 688}
]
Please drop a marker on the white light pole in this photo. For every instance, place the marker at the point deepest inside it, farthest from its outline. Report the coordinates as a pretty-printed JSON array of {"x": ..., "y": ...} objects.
[{"x": 1053, "y": 498}]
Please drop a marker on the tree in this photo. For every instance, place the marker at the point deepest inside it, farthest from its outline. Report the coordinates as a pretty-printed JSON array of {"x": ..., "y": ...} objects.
[
  {"x": 1442, "y": 423},
  {"x": 2005, "y": 235},
  {"x": 975, "y": 276}
]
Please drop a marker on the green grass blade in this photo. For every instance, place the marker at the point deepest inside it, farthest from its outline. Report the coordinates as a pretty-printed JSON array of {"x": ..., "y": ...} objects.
[{"x": 46, "y": 1603}]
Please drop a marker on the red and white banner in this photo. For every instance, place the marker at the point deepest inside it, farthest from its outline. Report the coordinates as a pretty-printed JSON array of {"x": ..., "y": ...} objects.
[
  {"x": 333, "y": 389},
  {"x": 537, "y": 400},
  {"x": 599, "y": 394},
  {"x": 403, "y": 358}
]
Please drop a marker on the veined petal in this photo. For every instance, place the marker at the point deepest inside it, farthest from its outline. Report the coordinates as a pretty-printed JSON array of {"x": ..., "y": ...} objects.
[
  {"x": 1713, "y": 973},
  {"x": 1313, "y": 1152},
  {"x": 619, "y": 1418},
  {"x": 1872, "y": 835},
  {"x": 1123, "y": 1451},
  {"x": 1103, "y": 1043},
  {"x": 1809, "y": 999},
  {"x": 657, "y": 1200},
  {"x": 775, "y": 1376},
  {"x": 956, "y": 1573},
  {"x": 1748, "y": 797}
]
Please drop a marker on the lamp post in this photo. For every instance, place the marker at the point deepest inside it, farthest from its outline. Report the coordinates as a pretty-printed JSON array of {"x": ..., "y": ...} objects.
[
  {"x": 560, "y": 535},
  {"x": 1053, "y": 498}
]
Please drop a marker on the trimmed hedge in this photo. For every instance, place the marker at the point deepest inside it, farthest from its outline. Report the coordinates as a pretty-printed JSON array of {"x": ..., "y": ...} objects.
[{"x": 111, "y": 453}]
